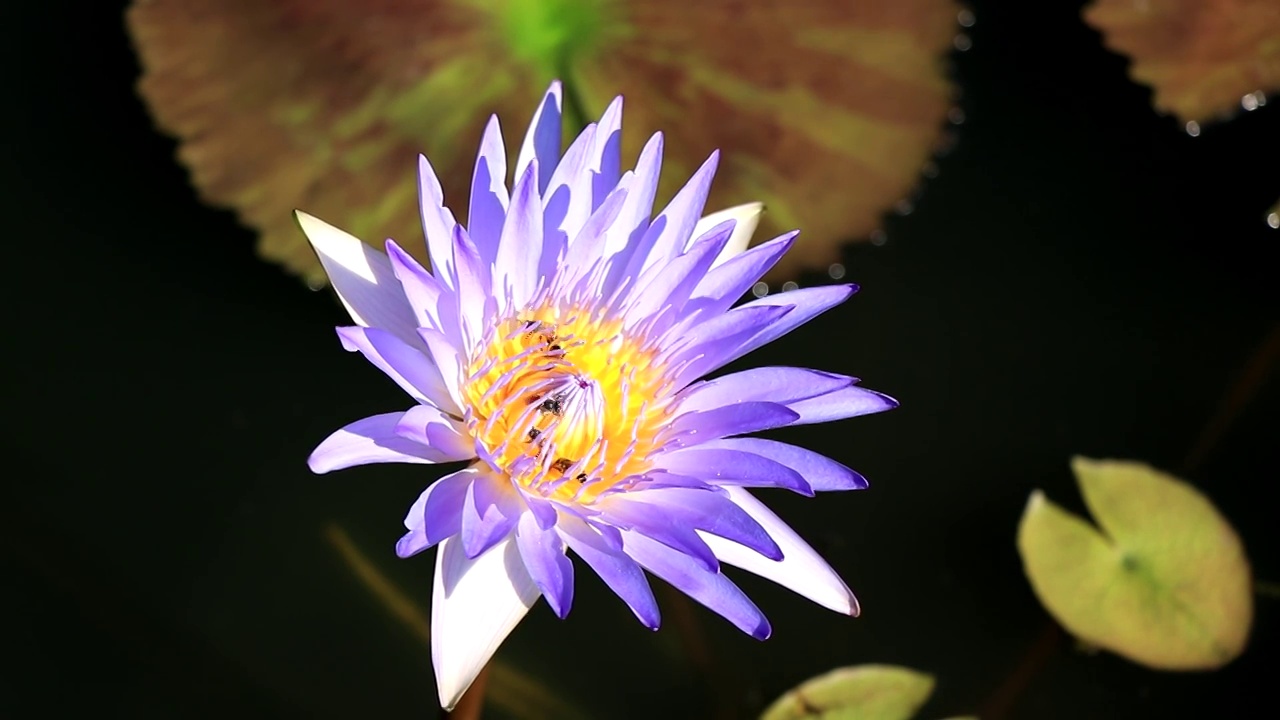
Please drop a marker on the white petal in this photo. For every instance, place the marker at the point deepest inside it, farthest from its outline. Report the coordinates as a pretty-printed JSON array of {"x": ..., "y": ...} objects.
[
  {"x": 475, "y": 605},
  {"x": 800, "y": 570},
  {"x": 747, "y": 217},
  {"x": 363, "y": 278}
]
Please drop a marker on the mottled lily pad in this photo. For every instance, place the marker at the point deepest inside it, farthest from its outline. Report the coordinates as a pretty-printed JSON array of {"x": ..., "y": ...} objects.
[
  {"x": 1205, "y": 59},
  {"x": 826, "y": 110},
  {"x": 1162, "y": 580},
  {"x": 863, "y": 692}
]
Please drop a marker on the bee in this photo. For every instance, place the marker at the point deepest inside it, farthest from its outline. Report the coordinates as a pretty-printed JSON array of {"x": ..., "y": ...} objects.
[
  {"x": 562, "y": 465},
  {"x": 546, "y": 332},
  {"x": 553, "y": 405}
]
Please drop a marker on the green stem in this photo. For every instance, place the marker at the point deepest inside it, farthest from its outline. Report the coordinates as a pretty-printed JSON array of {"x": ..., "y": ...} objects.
[{"x": 575, "y": 110}]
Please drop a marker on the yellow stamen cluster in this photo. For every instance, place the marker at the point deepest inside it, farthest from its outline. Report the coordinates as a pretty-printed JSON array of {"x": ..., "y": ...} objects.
[{"x": 565, "y": 403}]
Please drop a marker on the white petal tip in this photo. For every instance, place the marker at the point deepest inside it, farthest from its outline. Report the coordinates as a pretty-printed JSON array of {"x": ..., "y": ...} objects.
[
  {"x": 746, "y": 217},
  {"x": 338, "y": 250},
  {"x": 473, "y": 611}
]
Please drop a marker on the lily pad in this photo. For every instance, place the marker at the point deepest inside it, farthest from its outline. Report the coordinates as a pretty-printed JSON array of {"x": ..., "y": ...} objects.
[
  {"x": 826, "y": 111},
  {"x": 1205, "y": 59},
  {"x": 863, "y": 692},
  {"x": 1163, "y": 580}
]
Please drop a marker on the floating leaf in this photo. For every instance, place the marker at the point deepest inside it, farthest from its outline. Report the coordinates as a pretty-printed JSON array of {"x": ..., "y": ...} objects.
[
  {"x": 826, "y": 110},
  {"x": 1162, "y": 581},
  {"x": 1205, "y": 59},
  {"x": 863, "y": 692}
]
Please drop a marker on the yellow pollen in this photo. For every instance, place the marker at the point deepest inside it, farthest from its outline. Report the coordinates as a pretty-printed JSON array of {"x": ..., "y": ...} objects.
[{"x": 565, "y": 403}]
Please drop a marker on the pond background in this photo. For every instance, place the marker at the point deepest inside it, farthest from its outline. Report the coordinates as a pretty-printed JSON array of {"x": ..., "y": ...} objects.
[{"x": 1082, "y": 277}]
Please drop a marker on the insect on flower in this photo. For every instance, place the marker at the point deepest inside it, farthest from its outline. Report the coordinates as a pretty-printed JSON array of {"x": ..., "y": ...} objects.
[{"x": 558, "y": 343}]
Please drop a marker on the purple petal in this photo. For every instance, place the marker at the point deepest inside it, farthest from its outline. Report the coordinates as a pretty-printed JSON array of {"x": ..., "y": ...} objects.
[
  {"x": 801, "y": 569},
  {"x": 488, "y": 193},
  {"x": 420, "y": 288},
  {"x": 672, "y": 283},
  {"x": 543, "y": 554},
  {"x": 516, "y": 269},
  {"x": 367, "y": 441},
  {"x": 543, "y": 511},
  {"x": 670, "y": 529},
  {"x": 821, "y": 472},
  {"x": 783, "y": 385},
  {"x": 409, "y": 367},
  {"x": 722, "y": 287},
  {"x": 618, "y": 571},
  {"x": 474, "y": 300},
  {"x": 695, "y": 428},
  {"x": 542, "y": 140},
  {"x": 437, "y": 222},
  {"x": 731, "y": 467},
  {"x": 564, "y": 212},
  {"x": 444, "y": 354},
  {"x": 712, "y": 589},
  {"x": 844, "y": 403},
  {"x": 606, "y": 161},
  {"x": 436, "y": 515},
  {"x": 621, "y": 237},
  {"x": 585, "y": 251},
  {"x": 701, "y": 349},
  {"x": 679, "y": 218},
  {"x": 664, "y": 479},
  {"x": 808, "y": 303},
  {"x": 710, "y": 512},
  {"x": 362, "y": 277},
  {"x": 434, "y": 428},
  {"x": 489, "y": 513}
]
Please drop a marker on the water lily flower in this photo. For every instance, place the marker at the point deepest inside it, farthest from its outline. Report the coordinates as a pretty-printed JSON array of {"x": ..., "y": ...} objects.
[{"x": 558, "y": 344}]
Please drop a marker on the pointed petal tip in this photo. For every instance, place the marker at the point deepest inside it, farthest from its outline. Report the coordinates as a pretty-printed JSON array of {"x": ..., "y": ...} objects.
[
  {"x": 886, "y": 403},
  {"x": 475, "y": 605},
  {"x": 405, "y": 548},
  {"x": 318, "y": 464},
  {"x": 449, "y": 700},
  {"x": 561, "y": 611},
  {"x": 318, "y": 232}
]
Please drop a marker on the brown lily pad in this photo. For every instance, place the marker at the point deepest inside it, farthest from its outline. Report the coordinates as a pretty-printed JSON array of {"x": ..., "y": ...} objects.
[
  {"x": 1205, "y": 59},
  {"x": 826, "y": 110}
]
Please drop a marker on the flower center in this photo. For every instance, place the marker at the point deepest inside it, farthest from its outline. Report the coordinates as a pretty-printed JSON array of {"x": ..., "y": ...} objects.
[{"x": 564, "y": 403}]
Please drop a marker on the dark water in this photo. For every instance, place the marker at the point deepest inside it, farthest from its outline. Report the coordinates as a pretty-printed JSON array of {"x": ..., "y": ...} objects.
[{"x": 1083, "y": 277}]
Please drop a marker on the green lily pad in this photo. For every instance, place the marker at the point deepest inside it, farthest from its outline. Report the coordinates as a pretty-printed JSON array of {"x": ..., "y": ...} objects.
[
  {"x": 864, "y": 692},
  {"x": 1163, "y": 580}
]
